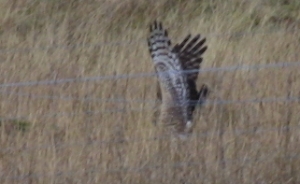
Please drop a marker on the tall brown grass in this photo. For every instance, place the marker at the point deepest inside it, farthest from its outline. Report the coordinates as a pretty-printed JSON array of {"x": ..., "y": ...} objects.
[{"x": 75, "y": 137}]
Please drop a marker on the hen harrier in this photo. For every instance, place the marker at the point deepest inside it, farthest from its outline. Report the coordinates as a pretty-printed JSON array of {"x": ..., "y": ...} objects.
[{"x": 177, "y": 88}]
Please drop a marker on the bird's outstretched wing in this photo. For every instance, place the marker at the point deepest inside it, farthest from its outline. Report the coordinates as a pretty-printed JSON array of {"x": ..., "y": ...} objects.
[
  {"x": 173, "y": 83},
  {"x": 190, "y": 52},
  {"x": 177, "y": 88}
]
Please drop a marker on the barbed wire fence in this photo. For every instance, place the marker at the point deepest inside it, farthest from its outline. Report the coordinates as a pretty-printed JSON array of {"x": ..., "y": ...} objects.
[
  {"x": 5, "y": 91},
  {"x": 277, "y": 65}
]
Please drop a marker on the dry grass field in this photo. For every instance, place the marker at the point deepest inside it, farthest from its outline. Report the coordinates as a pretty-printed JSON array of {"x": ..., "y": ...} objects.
[{"x": 94, "y": 129}]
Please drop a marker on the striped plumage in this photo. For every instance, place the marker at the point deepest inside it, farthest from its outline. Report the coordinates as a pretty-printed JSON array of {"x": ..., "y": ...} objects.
[{"x": 177, "y": 89}]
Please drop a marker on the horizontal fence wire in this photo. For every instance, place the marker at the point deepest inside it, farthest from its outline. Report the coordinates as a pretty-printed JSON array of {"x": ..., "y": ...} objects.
[
  {"x": 208, "y": 102},
  {"x": 144, "y": 109},
  {"x": 138, "y": 41},
  {"x": 152, "y": 167},
  {"x": 152, "y": 74}
]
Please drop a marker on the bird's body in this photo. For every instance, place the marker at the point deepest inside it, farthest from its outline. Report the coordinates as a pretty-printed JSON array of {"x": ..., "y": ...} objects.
[{"x": 177, "y": 87}]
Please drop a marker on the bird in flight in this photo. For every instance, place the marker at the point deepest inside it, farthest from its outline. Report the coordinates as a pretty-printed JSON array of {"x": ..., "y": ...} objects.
[{"x": 177, "y": 69}]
